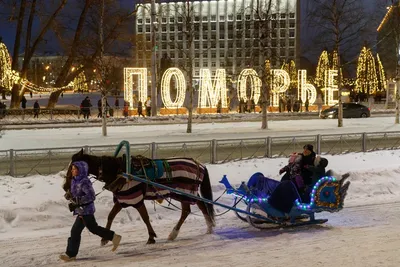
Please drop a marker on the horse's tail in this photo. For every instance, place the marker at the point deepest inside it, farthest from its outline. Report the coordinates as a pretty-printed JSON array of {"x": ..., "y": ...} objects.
[{"x": 206, "y": 192}]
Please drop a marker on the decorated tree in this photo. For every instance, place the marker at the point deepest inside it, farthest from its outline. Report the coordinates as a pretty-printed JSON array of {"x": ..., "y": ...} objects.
[
  {"x": 292, "y": 70},
  {"x": 367, "y": 80},
  {"x": 5, "y": 70},
  {"x": 80, "y": 83},
  {"x": 323, "y": 65},
  {"x": 380, "y": 74}
]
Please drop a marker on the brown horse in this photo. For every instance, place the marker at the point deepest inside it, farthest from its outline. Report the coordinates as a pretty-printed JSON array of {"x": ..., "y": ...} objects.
[{"x": 183, "y": 174}]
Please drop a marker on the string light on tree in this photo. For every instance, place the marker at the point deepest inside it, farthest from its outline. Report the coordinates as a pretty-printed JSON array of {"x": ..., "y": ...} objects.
[
  {"x": 5, "y": 68},
  {"x": 367, "y": 80},
  {"x": 39, "y": 89},
  {"x": 10, "y": 77},
  {"x": 322, "y": 67},
  {"x": 291, "y": 69},
  {"x": 141, "y": 86},
  {"x": 80, "y": 83},
  {"x": 212, "y": 92},
  {"x": 381, "y": 74},
  {"x": 255, "y": 84},
  {"x": 166, "y": 88},
  {"x": 335, "y": 62},
  {"x": 306, "y": 90}
]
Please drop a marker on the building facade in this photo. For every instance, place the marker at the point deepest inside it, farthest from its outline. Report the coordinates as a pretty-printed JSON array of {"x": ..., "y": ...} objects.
[
  {"x": 228, "y": 34},
  {"x": 389, "y": 40}
]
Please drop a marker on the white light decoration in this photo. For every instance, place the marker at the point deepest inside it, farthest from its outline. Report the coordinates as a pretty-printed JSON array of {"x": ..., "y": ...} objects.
[
  {"x": 10, "y": 77},
  {"x": 305, "y": 88},
  {"x": 330, "y": 87},
  {"x": 280, "y": 84},
  {"x": 141, "y": 86},
  {"x": 212, "y": 92},
  {"x": 255, "y": 85},
  {"x": 5, "y": 67},
  {"x": 38, "y": 89},
  {"x": 166, "y": 90}
]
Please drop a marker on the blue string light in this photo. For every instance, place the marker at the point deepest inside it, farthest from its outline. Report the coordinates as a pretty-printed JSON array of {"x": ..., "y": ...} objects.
[
  {"x": 310, "y": 206},
  {"x": 299, "y": 205}
]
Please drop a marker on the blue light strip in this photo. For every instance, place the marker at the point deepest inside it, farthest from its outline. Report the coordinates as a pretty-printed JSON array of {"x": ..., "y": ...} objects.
[{"x": 310, "y": 206}]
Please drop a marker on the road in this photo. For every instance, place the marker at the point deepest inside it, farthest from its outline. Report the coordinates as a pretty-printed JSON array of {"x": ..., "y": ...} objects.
[{"x": 364, "y": 236}]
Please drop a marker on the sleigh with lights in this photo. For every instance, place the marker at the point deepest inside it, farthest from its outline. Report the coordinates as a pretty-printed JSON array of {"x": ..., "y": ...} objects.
[{"x": 262, "y": 196}]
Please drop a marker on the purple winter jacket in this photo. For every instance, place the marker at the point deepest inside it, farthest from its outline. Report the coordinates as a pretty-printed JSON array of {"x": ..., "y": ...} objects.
[{"x": 82, "y": 190}]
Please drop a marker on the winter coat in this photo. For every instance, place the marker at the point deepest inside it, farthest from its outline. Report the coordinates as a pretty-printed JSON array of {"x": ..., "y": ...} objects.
[
  {"x": 82, "y": 190},
  {"x": 307, "y": 161},
  {"x": 318, "y": 169},
  {"x": 294, "y": 169}
]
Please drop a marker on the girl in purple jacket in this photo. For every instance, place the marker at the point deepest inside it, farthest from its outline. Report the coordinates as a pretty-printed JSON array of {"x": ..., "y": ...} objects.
[{"x": 82, "y": 204}]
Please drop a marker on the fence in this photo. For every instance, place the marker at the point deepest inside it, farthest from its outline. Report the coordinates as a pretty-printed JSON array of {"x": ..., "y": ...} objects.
[{"x": 20, "y": 163}]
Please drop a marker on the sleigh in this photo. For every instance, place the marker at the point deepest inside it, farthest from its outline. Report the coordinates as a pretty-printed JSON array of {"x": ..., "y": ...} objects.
[{"x": 266, "y": 200}]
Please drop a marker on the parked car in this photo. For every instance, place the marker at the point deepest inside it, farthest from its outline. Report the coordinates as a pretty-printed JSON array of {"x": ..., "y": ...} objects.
[{"x": 350, "y": 110}]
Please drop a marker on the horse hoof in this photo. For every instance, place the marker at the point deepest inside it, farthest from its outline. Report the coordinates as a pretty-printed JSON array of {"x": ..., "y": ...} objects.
[
  {"x": 104, "y": 242},
  {"x": 210, "y": 230},
  {"x": 150, "y": 241},
  {"x": 173, "y": 234}
]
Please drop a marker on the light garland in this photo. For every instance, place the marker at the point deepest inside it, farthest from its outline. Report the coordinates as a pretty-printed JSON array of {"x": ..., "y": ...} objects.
[
  {"x": 280, "y": 84},
  {"x": 367, "y": 80},
  {"x": 255, "y": 85},
  {"x": 166, "y": 88},
  {"x": 5, "y": 67},
  {"x": 39, "y": 89},
  {"x": 381, "y": 74},
  {"x": 80, "y": 83},
  {"x": 305, "y": 88},
  {"x": 212, "y": 92},
  {"x": 315, "y": 198},
  {"x": 293, "y": 75},
  {"x": 322, "y": 67},
  {"x": 330, "y": 87},
  {"x": 280, "y": 80},
  {"x": 11, "y": 77},
  {"x": 141, "y": 86}
]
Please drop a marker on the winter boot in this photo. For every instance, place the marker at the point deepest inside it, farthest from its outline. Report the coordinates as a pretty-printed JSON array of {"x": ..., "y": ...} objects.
[
  {"x": 66, "y": 258},
  {"x": 116, "y": 240}
]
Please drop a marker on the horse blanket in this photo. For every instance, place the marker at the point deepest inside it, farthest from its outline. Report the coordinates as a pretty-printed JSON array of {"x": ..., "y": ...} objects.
[{"x": 183, "y": 174}]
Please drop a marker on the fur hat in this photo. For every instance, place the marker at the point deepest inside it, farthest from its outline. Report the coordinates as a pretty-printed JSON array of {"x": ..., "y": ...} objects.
[
  {"x": 309, "y": 147},
  {"x": 319, "y": 161},
  {"x": 323, "y": 162}
]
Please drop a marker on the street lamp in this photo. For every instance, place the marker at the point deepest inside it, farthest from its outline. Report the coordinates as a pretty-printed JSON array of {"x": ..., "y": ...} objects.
[{"x": 153, "y": 59}]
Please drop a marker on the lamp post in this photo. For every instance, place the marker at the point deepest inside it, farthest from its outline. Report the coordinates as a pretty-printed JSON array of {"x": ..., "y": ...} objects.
[
  {"x": 153, "y": 60},
  {"x": 397, "y": 121}
]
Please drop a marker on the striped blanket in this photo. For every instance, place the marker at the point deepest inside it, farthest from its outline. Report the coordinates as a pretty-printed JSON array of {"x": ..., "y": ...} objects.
[{"x": 183, "y": 174}]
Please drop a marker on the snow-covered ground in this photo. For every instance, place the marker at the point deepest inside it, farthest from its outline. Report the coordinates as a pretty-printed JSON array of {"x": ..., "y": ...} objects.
[
  {"x": 35, "y": 224},
  {"x": 75, "y": 137}
]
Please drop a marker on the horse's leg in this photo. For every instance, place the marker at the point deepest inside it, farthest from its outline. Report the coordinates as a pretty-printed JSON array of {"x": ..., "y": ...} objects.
[
  {"x": 145, "y": 217},
  {"x": 114, "y": 211},
  {"x": 184, "y": 214},
  {"x": 209, "y": 221}
]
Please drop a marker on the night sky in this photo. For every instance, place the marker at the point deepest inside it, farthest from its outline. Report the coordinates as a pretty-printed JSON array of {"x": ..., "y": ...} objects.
[{"x": 7, "y": 30}]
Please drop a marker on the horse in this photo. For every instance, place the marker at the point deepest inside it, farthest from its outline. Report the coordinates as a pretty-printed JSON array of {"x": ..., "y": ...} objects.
[{"x": 184, "y": 174}]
